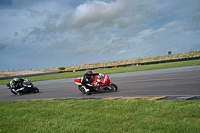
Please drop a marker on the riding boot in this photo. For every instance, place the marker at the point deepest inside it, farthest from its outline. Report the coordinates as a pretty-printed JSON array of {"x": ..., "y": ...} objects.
[
  {"x": 17, "y": 92},
  {"x": 14, "y": 91},
  {"x": 88, "y": 91},
  {"x": 97, "y": 89}
]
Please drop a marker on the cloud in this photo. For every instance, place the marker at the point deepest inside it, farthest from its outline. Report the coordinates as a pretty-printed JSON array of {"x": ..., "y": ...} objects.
[
  {"x": 2, "y": 46},
  {"x": 172, "y": 25},
  {"x": 194, "y": 23},
  {"x": 148, "y": 34},
  {"x": 100, "y": 14},
  {"x": 91, "y": 23},
  {"x": 97, "y": 13},
  {"x": 97, "y": 29}
]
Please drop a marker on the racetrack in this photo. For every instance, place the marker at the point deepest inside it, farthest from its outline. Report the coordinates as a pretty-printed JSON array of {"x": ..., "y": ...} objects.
[{"x": 182, "y": 81}]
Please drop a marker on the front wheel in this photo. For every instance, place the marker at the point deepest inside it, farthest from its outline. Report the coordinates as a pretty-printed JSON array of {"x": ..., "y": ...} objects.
[
  {"x": 13, "y": 92},
  {"x": 114, "y": 87},
  {"x": 81, "y": 89},
  {"x": 35, "y": 90}
]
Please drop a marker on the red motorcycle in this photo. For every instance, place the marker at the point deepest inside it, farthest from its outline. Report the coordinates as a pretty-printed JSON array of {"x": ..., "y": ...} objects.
[{"x": 101, "y": 83}]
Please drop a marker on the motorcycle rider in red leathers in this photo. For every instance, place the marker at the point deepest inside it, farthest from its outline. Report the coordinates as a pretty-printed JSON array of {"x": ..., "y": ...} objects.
[{"x": 86, "y": 81}]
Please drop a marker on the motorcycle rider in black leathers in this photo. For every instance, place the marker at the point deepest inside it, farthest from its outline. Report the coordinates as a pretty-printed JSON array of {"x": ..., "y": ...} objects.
[
  {"x": 16, "y": 85},
  {"x": 86, "y": 81}
]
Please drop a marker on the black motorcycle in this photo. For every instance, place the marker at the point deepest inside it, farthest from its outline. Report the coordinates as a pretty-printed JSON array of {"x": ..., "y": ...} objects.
[{"x": 24, "y": 86}]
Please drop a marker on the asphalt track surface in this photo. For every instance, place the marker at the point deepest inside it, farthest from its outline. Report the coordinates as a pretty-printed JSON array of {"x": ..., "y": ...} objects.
[{"x": 181, "y": 81}]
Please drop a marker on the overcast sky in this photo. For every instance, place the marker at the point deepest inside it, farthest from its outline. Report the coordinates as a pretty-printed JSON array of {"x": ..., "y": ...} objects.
[{"x": 37, "y": 34}]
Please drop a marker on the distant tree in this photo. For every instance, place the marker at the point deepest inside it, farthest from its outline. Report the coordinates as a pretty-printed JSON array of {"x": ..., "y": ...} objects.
[{"x": 61, "y": 68}]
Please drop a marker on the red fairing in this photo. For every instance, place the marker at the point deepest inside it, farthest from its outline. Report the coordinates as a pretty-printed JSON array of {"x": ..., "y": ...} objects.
[
  {"x": 104, "y": 79},
  {"x": 78, "y": 80}
]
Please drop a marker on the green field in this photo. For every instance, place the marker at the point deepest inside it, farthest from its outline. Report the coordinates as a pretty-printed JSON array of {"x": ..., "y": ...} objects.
[
  {"x": 100, "y": 116},
  {"x": 111, "y": 70}
]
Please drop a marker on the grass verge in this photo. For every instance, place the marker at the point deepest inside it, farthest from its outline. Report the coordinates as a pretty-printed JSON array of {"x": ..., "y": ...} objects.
[
  {"x": 103, "y": 116},
  {"x": 111, "y": 70}
]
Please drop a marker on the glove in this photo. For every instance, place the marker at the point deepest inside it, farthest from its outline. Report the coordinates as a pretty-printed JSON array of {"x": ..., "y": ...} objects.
[
  {"x": 91, "y": 85},
  {"x": 97, "y": 84}
]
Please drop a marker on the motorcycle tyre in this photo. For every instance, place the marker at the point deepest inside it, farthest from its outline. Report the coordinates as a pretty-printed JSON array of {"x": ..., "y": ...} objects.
[
  {"x": 82, "y": 90},
  {"x": 13, "y": 92},
  {"x": 114, "y": 87},
  {"x": 35, "y": 90}
]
